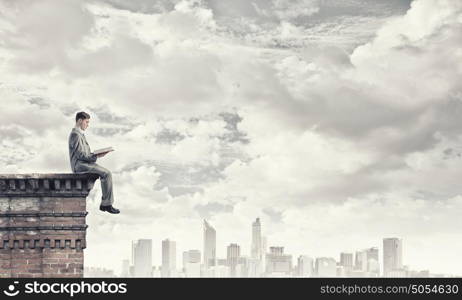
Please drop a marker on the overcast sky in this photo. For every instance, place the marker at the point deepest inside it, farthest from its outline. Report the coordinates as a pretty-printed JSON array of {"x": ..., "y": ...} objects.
[{"x": 335, "y": 122}]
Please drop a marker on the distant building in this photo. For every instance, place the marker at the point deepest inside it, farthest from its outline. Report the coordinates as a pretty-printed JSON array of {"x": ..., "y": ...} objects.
[
  {"x": 392, "y": 257},
  {"x": 305, "y": 266},
  {"x": 191, "y": 256},
  {"x": 156, "y": 272},
  {"x": 132, "y": 271},
  {"x": 243, "y": 266},
  {"x": 192, "y": 263},
  {"x": 168, "y": 258},
  {"x": 361, "y": 261},
  {"x": 340, "y": 271},
  {"x": 221, "y": 262},
  {"x": 346, "y": 261},
  {"x": 254, "y": 267},
  {"x": 373, "y": 266},
  {"x": 396, "y": 273},
  {"x": 418, "y": 274},
  {"x": 125, "y": 268},
  {"x": 218, "y": 271},
  {"x": 210, "y": 245},
  {"x": 97, "y": 272},
  {"x": 257, "y": 242},
  {"x": 233, "y": 254},
  {"x": 278, "y": 263},
  {"x": 264, "y": 249},
  {"x": 366, "y": 263},
  {"x": 142, "y": 258},
  {"x": 326, "y": 267}
]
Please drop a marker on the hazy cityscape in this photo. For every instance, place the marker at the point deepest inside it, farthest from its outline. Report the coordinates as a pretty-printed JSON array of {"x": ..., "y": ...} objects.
[{"x": 262, "y": 261}]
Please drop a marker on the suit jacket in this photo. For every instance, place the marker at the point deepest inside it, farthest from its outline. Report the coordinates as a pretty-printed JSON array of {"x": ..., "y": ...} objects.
[{"x": 79, "y": 150}]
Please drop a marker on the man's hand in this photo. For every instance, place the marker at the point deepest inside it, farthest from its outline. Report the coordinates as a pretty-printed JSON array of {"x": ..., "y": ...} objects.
[{"x": 101, "y": 154}]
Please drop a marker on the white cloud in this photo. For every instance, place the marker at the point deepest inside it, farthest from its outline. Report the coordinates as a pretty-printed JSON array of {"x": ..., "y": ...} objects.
[
  {"x": 285, "y": 9},
  {"x": 343, "y": 148}
]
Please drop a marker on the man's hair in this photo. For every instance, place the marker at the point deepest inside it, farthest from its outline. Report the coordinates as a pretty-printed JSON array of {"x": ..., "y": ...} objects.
[{"x": 81, "y": 115}]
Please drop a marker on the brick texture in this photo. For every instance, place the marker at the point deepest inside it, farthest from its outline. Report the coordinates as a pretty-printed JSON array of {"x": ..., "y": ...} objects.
[{"x": 42, "y": 224}]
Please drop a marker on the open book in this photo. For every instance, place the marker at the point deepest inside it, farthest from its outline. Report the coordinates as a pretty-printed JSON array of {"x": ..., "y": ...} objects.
[{"x": 103, "y": 150}]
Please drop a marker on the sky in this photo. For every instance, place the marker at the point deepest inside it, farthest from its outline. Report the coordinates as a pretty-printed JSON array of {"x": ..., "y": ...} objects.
[{"x": 337, "y": 123}]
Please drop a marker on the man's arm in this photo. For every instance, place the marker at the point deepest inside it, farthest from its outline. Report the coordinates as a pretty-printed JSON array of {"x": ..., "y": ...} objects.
[{"x": 80, "y": 153}]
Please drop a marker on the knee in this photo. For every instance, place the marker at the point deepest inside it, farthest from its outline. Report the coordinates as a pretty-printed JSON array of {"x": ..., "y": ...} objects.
[{"x": 107, "y": 174}]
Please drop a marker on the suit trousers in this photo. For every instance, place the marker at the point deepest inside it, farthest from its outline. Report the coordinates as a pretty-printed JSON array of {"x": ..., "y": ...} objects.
[{"x": 105, "y": 178}]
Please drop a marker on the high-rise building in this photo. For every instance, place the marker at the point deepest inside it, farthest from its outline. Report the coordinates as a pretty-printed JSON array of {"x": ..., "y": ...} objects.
[
  {"x": 232, "y": 257},
  {"x": 257, "y": 243},
  {"x": 210, "y": 245},
  {"x": 392, "y": 256},
  {"x": 142, "y": 258},
  {"x": 192, "y": 263},
  {"x": 326, "y": 267},
  {"x": 346, "y": 262},
  {"x": 305, "y": 266},
  {"x": 373, "y": 266},
  {"x": 168, "y": 258},
  {"x": 346, "y": 259},
  {"x": 361, "y": 261},
  {"x": 278, "y": 263}
]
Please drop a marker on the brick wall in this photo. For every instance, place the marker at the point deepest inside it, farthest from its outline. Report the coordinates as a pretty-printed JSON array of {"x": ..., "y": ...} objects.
[{"x": 42, "y": 224}]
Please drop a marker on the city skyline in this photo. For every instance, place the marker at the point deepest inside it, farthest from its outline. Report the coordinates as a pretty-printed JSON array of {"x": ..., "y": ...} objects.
[
  {"x": 274, "y": 262},
  {"x": 336, "y": 122}
]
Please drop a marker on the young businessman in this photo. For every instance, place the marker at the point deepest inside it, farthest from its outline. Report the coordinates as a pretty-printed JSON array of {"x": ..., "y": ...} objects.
[{"x": 84, "y": 161}]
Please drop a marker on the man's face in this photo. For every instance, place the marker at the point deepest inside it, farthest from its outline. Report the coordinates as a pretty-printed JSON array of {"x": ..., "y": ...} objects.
[{"x": 83, "y": 123}]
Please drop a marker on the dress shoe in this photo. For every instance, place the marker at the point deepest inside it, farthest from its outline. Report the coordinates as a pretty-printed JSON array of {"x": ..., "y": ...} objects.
[{"x": 109, "y": 208}]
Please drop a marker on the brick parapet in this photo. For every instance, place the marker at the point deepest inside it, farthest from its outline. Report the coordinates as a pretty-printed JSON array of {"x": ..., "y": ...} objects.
[{"x": 42, "y": 224}]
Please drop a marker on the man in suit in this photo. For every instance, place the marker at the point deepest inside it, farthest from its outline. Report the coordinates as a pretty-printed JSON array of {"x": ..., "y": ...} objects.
[{"x": 84, "y": 161}]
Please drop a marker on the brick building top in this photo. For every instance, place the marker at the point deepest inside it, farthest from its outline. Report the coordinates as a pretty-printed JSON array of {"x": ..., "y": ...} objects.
[
  {"x": 42, "y": 224},
  {"x": 50, "y": 185}
]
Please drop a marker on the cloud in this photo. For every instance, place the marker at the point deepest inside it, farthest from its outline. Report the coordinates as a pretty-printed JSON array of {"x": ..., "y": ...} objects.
[
  {"x": 284, "y": 9},
  {"x": 38, "y": 37},
  {"x": 230, "y": 111}
]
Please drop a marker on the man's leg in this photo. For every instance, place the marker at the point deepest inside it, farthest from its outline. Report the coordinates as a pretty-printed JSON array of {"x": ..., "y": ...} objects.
[
  {"x": 106, "y": 186},
  {"x": 105, "y": 178}
]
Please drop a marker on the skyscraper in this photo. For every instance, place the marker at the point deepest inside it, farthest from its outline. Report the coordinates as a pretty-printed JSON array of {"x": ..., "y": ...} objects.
[
  {"x": 142, "y": 258},
  {"x": 346, "y": 261},
  {"x": 361, "y": 261},
  {"x": 233, "y": 255},
  {"x": 168, "y": 258},
  {"x": 256, "y": 251},
  {"x": 210, "y": 245},
  {"x": 392, "y": 255}
]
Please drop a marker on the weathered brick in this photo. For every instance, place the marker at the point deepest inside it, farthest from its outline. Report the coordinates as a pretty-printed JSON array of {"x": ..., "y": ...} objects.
[
  {"x": 24, "y": 204},
  {"x": 4, "y": 204},
  {"x": 35, "y": 201}
]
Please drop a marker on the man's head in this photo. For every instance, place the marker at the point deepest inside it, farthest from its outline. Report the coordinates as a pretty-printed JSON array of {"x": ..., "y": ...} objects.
[{"x": 82, "y": 119}]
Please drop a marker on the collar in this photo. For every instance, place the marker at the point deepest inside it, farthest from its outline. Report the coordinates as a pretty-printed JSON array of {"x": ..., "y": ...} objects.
[{"x": 78, "y": 129}]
